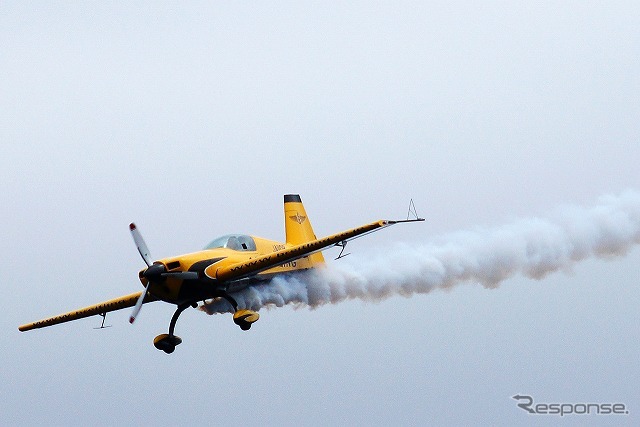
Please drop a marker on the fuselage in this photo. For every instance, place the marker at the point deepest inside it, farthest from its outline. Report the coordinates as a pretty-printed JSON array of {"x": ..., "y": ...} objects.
[{"x": 221, "y": 252}]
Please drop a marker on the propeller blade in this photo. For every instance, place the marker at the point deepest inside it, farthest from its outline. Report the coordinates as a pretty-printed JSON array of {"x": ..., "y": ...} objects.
[
  {"x": 144, "y": 253},
  {"x": 138, "y": 305},
  {"x": 140, "y": 244}
]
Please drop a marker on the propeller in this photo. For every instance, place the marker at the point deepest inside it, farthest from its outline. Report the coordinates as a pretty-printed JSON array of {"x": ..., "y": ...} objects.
[
  {"x": 144, "y": 253},
  {"x": 154, "y": 272}
]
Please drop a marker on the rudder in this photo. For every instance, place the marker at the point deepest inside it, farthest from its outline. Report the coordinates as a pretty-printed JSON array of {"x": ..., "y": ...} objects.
[{"x": 297, "y": 225}]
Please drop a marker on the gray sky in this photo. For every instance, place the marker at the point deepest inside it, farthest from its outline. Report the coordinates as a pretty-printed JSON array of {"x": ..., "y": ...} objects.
[{"x": 193, "y": 120}]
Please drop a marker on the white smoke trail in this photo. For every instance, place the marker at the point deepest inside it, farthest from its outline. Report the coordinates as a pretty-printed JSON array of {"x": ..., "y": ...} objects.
[{"x": 532, "y": 247}]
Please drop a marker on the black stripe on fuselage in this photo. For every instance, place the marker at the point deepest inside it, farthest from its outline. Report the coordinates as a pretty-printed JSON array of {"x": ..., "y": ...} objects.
[{"x": 202, "y": 288}]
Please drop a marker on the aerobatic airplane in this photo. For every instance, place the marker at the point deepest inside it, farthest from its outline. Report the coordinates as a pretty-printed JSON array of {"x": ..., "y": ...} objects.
[{"x": 227, "y": 265}]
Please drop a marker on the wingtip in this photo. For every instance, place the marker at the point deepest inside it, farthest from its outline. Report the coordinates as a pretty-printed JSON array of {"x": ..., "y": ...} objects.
[
  {"x": 132, "y": 319},
  {"x": 132, "y": 226}
]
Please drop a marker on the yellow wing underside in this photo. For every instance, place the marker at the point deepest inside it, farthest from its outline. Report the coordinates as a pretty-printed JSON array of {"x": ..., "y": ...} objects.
[{"x": 100, "y": 308}]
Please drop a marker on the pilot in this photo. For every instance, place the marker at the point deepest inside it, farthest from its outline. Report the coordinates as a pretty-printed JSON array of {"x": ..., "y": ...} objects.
[{"x": 233, "y": 243}]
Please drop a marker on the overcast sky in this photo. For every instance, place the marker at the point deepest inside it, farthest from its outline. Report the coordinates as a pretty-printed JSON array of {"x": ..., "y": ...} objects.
[{"x": 193, "y": 119}]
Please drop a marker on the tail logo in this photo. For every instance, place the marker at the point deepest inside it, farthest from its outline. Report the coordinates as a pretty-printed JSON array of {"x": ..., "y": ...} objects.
[{"x": 298, "y": 218}]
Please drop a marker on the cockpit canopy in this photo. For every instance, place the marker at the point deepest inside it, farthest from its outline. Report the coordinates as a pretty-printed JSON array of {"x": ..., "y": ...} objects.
[{"x": 237, "y": 242}]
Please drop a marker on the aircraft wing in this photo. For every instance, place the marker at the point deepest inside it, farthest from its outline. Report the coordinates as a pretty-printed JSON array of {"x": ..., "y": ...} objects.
[
  {"x": 100, "y": 308},
  {"x": 254, "y": 266}
]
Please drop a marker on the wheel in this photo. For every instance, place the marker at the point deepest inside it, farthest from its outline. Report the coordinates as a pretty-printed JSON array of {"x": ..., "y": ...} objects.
[
  {"x": 245, "y": 318},
  {"x": 166, "y": 342}
]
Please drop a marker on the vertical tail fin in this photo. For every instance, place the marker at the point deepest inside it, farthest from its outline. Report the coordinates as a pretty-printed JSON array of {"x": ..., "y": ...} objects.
[{"x": 297, "y": 225}]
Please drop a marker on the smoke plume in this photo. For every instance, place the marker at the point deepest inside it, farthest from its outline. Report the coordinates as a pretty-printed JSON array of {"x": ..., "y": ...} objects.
[{"x": 532, "y": 247}]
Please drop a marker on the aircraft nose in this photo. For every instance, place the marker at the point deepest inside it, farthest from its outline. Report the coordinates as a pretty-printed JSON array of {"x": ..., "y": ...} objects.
[{"x": 154, "y": 272}]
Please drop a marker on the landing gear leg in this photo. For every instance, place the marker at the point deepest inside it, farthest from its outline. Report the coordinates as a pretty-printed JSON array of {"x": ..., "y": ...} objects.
[
  {"x": 229, "y": 299},
  {"x": 168, "y": 342}
]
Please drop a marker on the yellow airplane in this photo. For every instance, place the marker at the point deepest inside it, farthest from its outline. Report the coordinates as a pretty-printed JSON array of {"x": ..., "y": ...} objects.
[{"x": 227, "y": 265}]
